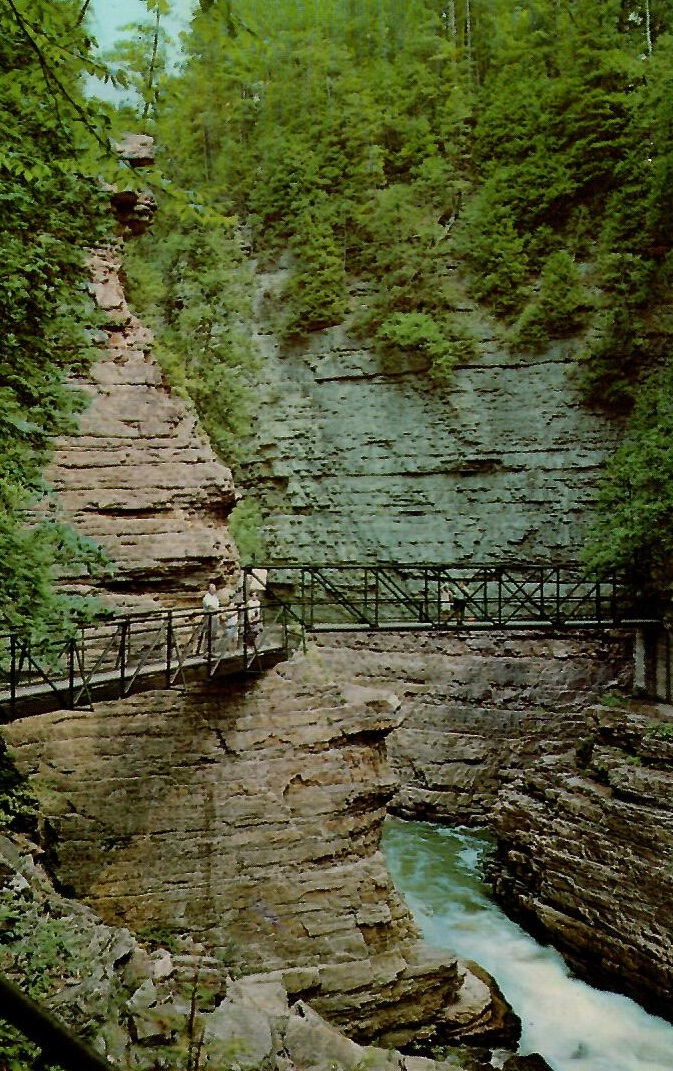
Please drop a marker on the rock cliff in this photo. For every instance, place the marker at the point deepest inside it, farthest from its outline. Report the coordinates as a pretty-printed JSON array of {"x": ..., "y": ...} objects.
[
  {"x": 477, "y": 709},
  {"x": 162, "y": 1008},
  {"x": 245, "y": 818},
  {"x": 139, "y": 477},
  {"x": 505, "y": 730},
  {"x": 359, "y": 458},
  {"x": 586, "y": 850},
  {"x": 248, "y": 816}
]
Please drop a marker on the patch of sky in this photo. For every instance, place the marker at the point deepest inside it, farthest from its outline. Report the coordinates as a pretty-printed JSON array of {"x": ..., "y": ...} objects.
[{"x": 109, "y": 23}]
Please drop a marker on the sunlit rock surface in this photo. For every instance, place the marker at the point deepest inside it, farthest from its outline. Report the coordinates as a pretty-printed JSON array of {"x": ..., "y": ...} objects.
[
  {"x": 248, "y": 815},
  {"x": 139, "y": 477},
  {"x": 149, "y": 1006},
  {"x": 476, "y": 709}
]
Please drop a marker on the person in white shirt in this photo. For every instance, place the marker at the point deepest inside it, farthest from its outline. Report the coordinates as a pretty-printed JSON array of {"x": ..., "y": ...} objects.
[
  {"x": 211, "y": 601},
  {"x": 211, "y": 619}
]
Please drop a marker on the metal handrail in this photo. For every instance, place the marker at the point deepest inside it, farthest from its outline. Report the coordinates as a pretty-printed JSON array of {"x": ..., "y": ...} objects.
[
  {"x": 56, "y": 1042},
  {"x": 505, "y": 595},
  {"x": 117, "y": 655}
]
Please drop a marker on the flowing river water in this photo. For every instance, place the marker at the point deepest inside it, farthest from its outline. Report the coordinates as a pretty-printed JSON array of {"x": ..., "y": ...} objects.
[{"x": 574, "y": 1026}]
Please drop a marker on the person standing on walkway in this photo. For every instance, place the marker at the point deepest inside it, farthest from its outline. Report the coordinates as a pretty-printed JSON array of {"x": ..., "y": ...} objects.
[
  {"x": 211, "y": 619},
  {"x": 232, "y": 628}
]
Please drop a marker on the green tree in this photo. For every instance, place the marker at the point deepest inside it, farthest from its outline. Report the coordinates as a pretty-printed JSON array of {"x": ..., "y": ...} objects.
[
  {"x": 190, "y": 279},
  {"x": 634, "y": 525},
  {"x": 50, "y": 209},
  {"x": 390, "y": 140}
]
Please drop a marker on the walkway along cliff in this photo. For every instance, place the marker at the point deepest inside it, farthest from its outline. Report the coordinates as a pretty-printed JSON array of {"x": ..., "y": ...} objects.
[{"x": 240, "y": 822}]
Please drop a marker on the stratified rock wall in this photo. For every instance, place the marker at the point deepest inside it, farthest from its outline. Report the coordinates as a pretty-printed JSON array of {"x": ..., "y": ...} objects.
[
  {"x": 477, "y": 709},
  {"x": 586, "y": 851},
  {"x": 139, "y": 477},
  {"x": 150, "y": 1010},
  {"x": 357, "y": 458},
  {"x": 249, "y": 816}
]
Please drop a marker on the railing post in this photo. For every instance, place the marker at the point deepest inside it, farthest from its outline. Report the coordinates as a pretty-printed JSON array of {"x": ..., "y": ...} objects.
[
  {"x": 542, "y": 598},
  {"x": 12, "y": 676},
  {"x": 365, "y": 597},
  {"x": 311, "y": 600},
  {"x": 38, "y": 1024},
  {"x": 169, "y": 647},
  {"x": 557, "y": 614},
  {"x": 286, "y": 642},
  {"x": 71, "y": 673}
]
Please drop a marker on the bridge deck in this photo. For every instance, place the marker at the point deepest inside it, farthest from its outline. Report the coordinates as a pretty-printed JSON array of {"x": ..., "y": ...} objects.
[{"x": 114, "y": 658}]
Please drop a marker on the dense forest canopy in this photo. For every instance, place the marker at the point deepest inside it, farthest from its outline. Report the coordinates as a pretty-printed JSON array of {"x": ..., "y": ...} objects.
[
  {"x": 384, "y": 140},
  {"x": 378, "y": 140}
]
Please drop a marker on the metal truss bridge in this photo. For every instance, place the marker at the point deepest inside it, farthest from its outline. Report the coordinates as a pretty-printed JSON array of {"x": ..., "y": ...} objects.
[
  {"x": 452, "y": 597},
  {"x": 115, "y": 657}
]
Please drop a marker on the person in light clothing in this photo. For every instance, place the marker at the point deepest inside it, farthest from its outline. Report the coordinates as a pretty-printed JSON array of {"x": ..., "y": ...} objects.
[
  {"x": 253, "y": 619},
  {"x": 210, "y": 625},
  {"x": 211, "y": 600}
]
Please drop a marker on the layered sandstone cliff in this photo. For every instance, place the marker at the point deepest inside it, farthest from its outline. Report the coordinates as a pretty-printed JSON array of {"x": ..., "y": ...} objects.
[
  {"x": 159, "y": 1008},
  {"x": 478, "y": 708},
  {"x": 585, "y": 850},
  {"x": 139, "y": 477},
  {"x": 248, "y": 816}
]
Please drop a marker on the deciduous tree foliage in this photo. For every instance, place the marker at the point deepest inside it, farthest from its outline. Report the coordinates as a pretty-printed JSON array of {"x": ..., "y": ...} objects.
[{"x": 49, "y": 211}]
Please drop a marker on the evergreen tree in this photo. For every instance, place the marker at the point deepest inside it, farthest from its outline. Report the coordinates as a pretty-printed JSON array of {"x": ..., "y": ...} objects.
[{"x": 384, "y": 138}]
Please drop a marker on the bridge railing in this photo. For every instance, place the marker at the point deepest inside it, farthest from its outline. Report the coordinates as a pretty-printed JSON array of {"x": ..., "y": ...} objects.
[
  {"x": 113, "y": 657},
  {"x": 404, "y": 597}
]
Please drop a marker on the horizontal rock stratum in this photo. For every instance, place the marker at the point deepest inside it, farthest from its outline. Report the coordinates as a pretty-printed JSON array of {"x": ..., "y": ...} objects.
[
  {"x": 585, "y": 850},
  {"x": 139, "y": 476},
  {"x": 248, "y": 815}
]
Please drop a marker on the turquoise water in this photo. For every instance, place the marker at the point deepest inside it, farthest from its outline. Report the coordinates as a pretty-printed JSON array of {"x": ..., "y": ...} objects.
[{"x": 574, "y": 1026}]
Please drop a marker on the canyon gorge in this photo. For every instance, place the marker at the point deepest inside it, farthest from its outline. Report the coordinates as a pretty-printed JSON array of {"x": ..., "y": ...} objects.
[{"x": 225, "y": 837}]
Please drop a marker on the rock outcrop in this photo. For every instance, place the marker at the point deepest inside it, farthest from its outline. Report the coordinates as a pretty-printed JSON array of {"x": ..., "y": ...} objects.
[
  {"x": 477, "y": 709},
  {"x": 169, "y": 1008},
  {"x": 139, "y": 477},
  {"x": 585, "y": 851},
  {"x": 359, "y": 458},
  {"x": 248, "y": 815}
]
